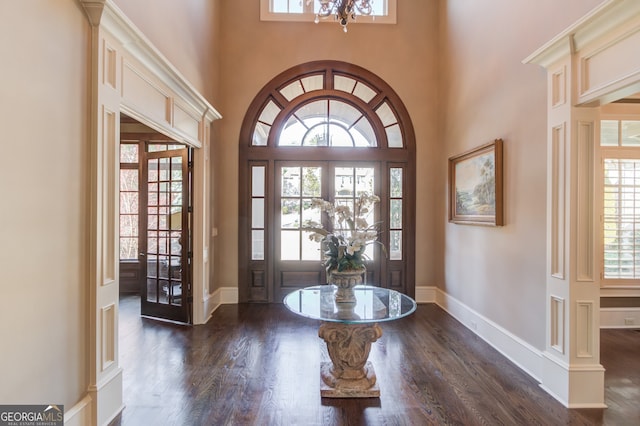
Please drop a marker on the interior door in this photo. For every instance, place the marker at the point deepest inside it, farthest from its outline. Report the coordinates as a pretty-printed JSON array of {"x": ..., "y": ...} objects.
[
  {"x": 165, "y": 238},
  {"x": 299, "y": 260}
]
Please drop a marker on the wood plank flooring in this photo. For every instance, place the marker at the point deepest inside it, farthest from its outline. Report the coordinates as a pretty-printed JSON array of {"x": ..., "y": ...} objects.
[{"x": 259, "y": 365}]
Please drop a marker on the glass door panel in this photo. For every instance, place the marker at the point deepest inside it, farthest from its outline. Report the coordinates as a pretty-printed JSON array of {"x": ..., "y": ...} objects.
[
  {"x": 165, "y": 290},
  {"x": 298, "y": 259}
]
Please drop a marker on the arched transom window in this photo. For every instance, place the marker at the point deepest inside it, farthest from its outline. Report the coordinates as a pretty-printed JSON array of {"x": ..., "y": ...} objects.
[{"x": 327, "y": 130}]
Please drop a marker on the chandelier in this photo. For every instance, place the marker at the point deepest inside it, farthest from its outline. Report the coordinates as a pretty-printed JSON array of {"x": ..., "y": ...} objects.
[{"x": 343, "y": 10}]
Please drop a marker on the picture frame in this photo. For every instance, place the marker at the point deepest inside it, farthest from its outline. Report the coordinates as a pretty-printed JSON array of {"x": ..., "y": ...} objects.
[{"x": 475, "y": 186}]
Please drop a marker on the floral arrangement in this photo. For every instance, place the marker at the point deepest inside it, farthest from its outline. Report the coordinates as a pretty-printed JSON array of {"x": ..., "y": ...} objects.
[{"x": 344, "y": 249}]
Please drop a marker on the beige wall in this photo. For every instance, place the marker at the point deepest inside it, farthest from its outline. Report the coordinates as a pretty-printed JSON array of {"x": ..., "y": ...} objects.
[
  {"x": 185, "y": 32},
  {"x": 488, "y": 93},
  {"x": 44, "y": 171},
  {"x": 253, "y": 52},
  {"x": 44, "y": 179}
]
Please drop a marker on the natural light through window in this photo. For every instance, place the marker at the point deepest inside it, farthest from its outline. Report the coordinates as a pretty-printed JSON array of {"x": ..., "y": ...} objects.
[
  {"x": 383, "y": 11},
  {"x": 621, "y": 199}
]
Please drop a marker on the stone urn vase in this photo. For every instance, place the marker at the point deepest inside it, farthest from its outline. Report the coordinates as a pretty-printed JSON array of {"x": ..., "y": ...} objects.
[{"x": 346, "y": 281}]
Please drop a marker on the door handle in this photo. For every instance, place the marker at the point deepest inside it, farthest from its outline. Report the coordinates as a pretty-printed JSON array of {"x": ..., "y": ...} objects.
[{"x": 142, "y": 254}]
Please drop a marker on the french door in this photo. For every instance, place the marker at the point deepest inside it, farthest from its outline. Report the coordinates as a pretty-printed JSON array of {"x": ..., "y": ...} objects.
[
  {"x": 165, "y": 238},
  {"x": 297, "y": 258}
]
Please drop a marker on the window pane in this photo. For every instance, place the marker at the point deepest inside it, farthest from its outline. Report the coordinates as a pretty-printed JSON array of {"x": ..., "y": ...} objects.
[
  {"x": 311, "y": 181},
  {"x": 395, "y": 214},
  {"x": 364, "y": 180},
  {"x": 386, "y": 115},
  {"x": 292, "y": 132},
  {"x": 395, "y": 175},
  {"x": 257, "y": 213},
  {"x": 257, "y": 245},
  {"x": 292, "y": 90},
  {"x": 128, "y": 180},
  {"x": 128, "y": 248},
  {"x": 609, "y": 133},
  {"x": 364, "y": 92},
  {"x": 317, "y": 136},
  {"x": 290, "y": 213},
  {"x": 395, "y": 245},
  {"x": 394, "y": 136},
  {"x": 315, "y": 82},
  {"x": 129, "y": 225},
  {"x": 129, "y": 202},
  {"x": 257, "y": 181},
  {"x": 290, "y": 181},
  {"x": 630, "y": 133},
  {"x": 290, "y": 245},
  {"x": 621, "y": 230},
  {"x": 362, "y": 133},
  {"x": 345, "y": 84},
  {"x": 314, "y": 112},
  {"x": 164, "y": 169},
  {"x": 344, "y": 185},
  {"x": 310, "y": 248},
  {"x": 339, "y": 136},
  {"x": 309, "y": 214},
  {"x": 260, "y": 134},
  {"x": 343, "y": 113},
  {"x": 269, "y": 113},
  {"x": 128, "y": 153}
]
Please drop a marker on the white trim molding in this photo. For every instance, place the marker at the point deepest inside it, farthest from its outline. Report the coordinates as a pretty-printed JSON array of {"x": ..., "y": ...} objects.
[
  {"x": 516, "y": 350},
  {"x": 554, "y": 375},
  {"x": 130, "y": 75},
  {"x": 590, "y": 63},
  {"x": 222, "y": 296},
  {"x": 80, "y": 414},
  {"x": 619, "y": 318}
]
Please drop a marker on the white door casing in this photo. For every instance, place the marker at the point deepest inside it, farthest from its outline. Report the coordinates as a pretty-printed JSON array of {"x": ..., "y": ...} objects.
[
  {"x": 128, "y": 74},
  {"x": 591, "y": 63}
]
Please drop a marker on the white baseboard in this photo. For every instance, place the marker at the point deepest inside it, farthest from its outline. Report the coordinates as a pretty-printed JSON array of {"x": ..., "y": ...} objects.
[
  {"x": 80, "y": 414},
  {"x": 577, "y": 386},
  {"x": 521, "y": 353},
  {"x": 106, "y": 398},
  {"x": 619, "y": 317},
  {"x": 222, "y": 296}
]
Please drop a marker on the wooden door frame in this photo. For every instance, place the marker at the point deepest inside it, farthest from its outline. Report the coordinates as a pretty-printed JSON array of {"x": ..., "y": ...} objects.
[{"x": 255, "y": 277}]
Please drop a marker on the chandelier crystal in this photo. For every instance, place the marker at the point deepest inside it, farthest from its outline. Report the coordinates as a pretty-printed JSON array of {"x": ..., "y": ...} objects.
[{"x": 343, "y": 10}]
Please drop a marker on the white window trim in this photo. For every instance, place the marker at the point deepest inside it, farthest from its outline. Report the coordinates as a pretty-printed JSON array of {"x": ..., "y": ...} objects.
[{"x": 267, "y": 15}]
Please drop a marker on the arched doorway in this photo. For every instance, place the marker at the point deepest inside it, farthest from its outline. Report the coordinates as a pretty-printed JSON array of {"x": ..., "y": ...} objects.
[{"x": 330, "y": 130}]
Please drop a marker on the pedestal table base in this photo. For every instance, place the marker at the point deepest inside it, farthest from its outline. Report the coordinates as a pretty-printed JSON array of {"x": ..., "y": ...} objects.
[{"x": 349, "y": 374}]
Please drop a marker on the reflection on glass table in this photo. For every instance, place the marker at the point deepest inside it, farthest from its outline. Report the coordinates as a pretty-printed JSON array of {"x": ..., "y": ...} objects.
[{"x": 348, "y": 330}]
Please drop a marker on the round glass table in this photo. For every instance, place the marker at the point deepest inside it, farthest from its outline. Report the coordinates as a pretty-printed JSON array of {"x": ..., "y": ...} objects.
[{"x": 348, "y": 329}]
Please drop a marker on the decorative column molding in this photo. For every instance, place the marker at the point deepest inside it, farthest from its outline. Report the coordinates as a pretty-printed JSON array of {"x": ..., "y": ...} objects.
[
  {"x": 128, "y": 74},
  {"x": 587, "y": 65}
]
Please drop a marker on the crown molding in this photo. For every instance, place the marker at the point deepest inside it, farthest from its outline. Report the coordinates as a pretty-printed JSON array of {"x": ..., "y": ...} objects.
[{"x": 601, "y": 21}]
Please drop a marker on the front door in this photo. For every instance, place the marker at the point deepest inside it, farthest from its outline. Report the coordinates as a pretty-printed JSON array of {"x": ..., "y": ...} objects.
[
  {"x": 298, "y": 259},
  {"x": 164, "y": 237}
]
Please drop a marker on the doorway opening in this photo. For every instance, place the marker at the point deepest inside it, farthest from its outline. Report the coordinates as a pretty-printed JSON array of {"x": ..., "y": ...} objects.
[{"x": 155, "y": 222}]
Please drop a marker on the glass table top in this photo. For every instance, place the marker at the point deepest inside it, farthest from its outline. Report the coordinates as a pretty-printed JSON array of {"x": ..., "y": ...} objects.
[{"x": 373, "y": 304}]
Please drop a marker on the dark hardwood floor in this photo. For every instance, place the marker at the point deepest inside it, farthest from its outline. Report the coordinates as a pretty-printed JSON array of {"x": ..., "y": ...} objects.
[{"x": 259, "y": 365}]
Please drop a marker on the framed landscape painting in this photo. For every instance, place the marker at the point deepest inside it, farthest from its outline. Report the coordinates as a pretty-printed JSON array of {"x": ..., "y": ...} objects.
[{"x": 475, "y": 186}]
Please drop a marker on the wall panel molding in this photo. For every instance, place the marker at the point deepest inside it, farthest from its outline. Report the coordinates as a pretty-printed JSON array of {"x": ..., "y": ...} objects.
[
  {"x": 558, "y": 201},
  {"x": 556, "y": 324},
  {"x": 129, "y": 75},
  {"x": 585, "y": 193},
  {"x": 584, "y": 329}
]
